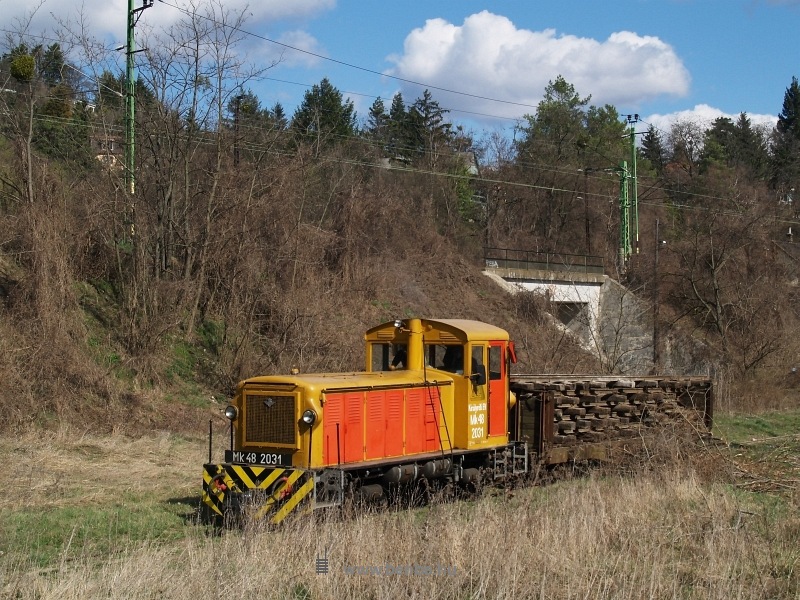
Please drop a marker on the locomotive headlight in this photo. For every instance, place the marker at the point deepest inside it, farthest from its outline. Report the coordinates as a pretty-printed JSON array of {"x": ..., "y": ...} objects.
[
  {"x": 309, "y": 417},
  {"x": 231, "y": 412}
]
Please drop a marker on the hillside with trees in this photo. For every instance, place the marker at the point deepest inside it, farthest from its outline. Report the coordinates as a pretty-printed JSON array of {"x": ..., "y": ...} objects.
[{"x": 256, "y": 241}]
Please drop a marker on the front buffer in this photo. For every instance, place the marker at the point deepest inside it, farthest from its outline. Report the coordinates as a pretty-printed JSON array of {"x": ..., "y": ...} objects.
[{"x": 255, "y": 493}]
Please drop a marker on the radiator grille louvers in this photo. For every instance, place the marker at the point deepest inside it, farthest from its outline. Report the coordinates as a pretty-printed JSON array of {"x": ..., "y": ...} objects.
[{"x": 270, "y": 419}]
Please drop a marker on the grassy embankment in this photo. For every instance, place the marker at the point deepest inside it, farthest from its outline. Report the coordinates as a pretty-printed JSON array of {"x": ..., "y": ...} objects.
[{"x": 112, "y": 517}]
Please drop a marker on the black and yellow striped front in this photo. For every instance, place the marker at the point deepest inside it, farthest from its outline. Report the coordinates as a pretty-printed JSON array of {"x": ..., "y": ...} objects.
[{"x": 270, "y": 493}]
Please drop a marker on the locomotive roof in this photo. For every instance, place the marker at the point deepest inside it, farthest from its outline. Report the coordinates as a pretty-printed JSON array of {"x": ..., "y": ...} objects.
[
  {"x": 465, "y": 329},
  {"x": 347, "y": 380}
]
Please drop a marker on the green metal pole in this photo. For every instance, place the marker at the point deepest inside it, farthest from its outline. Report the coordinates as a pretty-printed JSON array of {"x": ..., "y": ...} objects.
[
  {"x": 634, "y": 186},
  {"x": 624, "y": 216},
  {"x": 130, "y": 78}
]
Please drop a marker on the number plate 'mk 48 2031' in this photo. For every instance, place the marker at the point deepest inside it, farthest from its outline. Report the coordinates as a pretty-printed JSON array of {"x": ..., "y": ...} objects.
[{"x": 267, "y": 459}]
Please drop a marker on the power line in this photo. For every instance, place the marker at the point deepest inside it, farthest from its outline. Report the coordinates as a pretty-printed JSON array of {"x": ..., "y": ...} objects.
[
  {"x": 343, "y": 63},
  {"x": 550, "y": 188},
  {"x": 208, "y": 139},
  {"x": 525, "y": 165},
  {"x": 349, "y": 65},
  {"x": 373, "y": 97}
]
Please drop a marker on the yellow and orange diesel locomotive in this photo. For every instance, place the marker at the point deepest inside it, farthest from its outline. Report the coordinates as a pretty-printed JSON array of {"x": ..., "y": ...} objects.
[{"x": 436, "y": 406}]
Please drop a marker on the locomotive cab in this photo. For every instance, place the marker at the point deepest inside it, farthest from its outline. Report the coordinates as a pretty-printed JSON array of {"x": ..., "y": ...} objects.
[{"x": 476, "y": 356}]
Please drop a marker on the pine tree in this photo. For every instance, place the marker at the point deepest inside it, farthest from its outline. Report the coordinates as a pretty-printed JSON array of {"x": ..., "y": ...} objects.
[
  {"x": 378, "y": 124},
  {"x": 652, "y": 149},
  {"x": 378, "y": 119},
  {"x": 324, "y": 116},
  {"x": 749, "y": 148},
  {"x": 110, "y": 90},
  {"x": 604, "y": 140},
  {"x": 718, "y": 144},
  {"x": 52, "y": 65},
  {"x": 789, "y": 119},
  {"x": 398, "y": 119},
  {"x": 413, "y": 134},
  {"x": 246, "y": 105},
  {"x": 558, "y": 125},
  {"x": 786, "y": 143},
  {"x": 278, "y": 116},
  {"x": 432, "y": 131},
  {"x": 734, "y": 146}
]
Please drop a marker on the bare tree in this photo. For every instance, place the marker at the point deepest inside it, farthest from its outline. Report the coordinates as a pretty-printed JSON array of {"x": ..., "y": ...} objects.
[
  {"x": 193, "y": 70},
  {"x": 728, "y": 284},
  {"x": 685, "y": 143}
]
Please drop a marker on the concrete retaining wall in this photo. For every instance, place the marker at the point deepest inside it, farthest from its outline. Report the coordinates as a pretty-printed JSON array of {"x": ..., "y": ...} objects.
[{"x": 616, "y": 325}]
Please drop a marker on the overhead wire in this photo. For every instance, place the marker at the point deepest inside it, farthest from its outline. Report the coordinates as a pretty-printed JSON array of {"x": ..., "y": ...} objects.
[
  {"x": 264, "y": 38},
  {"x": 208, "y": 139},
  {"x": 529, "y": 165},
  {"x": 341, "y": 62},
  {"x": 539, "y": 166},
  {"x": 361, "y": 139}
]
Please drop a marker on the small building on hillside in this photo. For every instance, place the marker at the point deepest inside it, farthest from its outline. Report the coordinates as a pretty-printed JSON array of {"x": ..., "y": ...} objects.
[{"x": 109, "y": 150}]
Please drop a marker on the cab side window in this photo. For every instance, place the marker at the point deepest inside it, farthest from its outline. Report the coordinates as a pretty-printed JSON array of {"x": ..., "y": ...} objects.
[
  {"x": 399, "y": 357},
  {"x": 477, "y": 368},
  {"x": 453, "y": 359},
  {"x": 380, "y": 358},
  {"x": 388, "y": 357},
  {"x": 495, "y": 362}
]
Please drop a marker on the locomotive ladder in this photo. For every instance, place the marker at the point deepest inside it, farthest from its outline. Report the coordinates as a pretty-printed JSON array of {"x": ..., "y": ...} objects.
[{"x": 443, "y": 424}]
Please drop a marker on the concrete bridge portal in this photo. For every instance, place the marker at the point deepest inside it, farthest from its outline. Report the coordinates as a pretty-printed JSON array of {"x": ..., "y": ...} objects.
[{"x": 609, "y": 320}]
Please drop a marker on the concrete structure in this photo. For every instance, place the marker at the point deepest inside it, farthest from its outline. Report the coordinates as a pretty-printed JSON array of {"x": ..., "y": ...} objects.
[
  {"x": 609, "y": 320},
  {"x": 574, "y": 297}
]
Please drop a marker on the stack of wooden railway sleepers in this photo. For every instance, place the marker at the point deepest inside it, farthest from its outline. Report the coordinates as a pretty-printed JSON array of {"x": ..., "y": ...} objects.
[{"x": 587, "y": 410}]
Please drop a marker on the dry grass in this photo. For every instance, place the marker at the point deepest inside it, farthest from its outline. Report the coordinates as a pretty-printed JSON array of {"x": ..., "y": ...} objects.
[
  {"x": 56, "y": 468},
  {"x": 74, "y": 497},
  {"x": 663, "y": 534},
  {"x": 602, "y": 539}
]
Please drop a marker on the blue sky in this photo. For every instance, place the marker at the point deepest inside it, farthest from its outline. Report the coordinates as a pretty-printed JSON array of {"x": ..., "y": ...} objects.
[{"x": 662, "y": 59}]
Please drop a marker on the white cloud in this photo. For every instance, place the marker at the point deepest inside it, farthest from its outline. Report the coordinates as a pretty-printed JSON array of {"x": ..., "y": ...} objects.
[
  {"x": 488, "y": 55},
  {"x": 107, "y": 18},
  {"x": 704, "y": 115}
]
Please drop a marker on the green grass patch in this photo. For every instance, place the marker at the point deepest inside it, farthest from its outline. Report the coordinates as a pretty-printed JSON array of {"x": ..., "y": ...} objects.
[
  {"x": 183, "y": 363},
  {"x": 770, "y": 507},
  {"x": 190, "y": 364},
  {"x": 48, "y": 537},
  {"x": 765, "y": 450},
  {"x": 383, "y": 305},
  {"x": 98, "y": 301},
  {"x": 211, "y": 335},
  {"x": 738, "y": 429}
]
